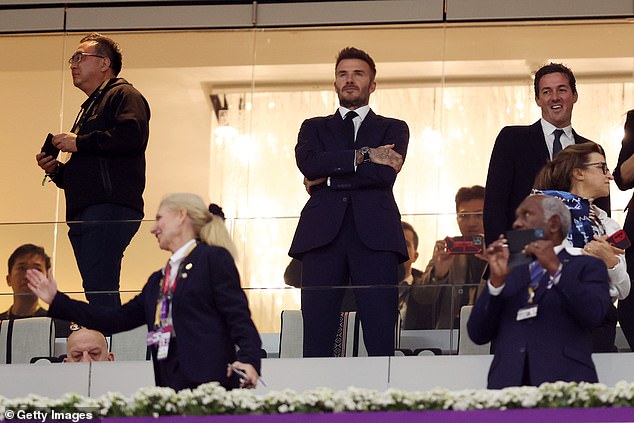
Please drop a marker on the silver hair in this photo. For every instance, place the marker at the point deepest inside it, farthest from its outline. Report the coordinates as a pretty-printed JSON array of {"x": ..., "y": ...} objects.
[{"x": 554, "y": 206}]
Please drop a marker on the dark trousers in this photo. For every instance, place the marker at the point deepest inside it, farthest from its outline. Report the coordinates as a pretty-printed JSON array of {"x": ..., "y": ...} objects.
[
  {"x": 626, "y": 306},
  {"x": 603, "y": 336},
  {"x": 626, "y": 319},
  {"x": 326, "y": 271},
  {"x": 99, "y": 235}
]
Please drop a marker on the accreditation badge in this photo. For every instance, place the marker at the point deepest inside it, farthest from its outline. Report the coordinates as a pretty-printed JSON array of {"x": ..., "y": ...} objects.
[
  {"x": 527, "y": 312},
  {"x": 164, "y": 335}
]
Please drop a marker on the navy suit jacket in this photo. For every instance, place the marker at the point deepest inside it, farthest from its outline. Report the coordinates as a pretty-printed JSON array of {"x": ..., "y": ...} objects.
[
  {"x": 518, "y": 155},
  {"x": 557, "y": 343},
  {"x": 322, "y": 151},
  {"x": 210, "y": 316}
]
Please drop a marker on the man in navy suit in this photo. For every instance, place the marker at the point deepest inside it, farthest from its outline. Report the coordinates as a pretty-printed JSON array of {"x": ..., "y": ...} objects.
[
  {"x": 521, "y": 151},
  {"x": 539, "y": 316},
  {"x": 350, "y": 231}
]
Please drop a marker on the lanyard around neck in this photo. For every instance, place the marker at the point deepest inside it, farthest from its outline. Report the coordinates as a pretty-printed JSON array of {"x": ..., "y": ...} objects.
[
  {"x": 85, "y": 112},
  {"x": 163, "y": 302},
  {"x": 165, "y": 285}
]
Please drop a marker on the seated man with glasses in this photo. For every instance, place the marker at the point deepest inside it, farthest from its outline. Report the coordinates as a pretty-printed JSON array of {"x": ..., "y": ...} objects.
[
  {"x": 85, "y": 345},
  {"x": 451, "y": 281}
]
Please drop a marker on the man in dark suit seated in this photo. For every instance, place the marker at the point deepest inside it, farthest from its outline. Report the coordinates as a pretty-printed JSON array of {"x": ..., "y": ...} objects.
[
  {"x": 460, "y": 274},
  {"x": 539, "y": 316},
  {"x": 520, "y": 152},
  {"x": 349, "y": 232},
  {"x": 414, "y": 315}
]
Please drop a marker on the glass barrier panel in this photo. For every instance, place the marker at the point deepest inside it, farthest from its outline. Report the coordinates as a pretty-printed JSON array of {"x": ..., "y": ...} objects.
[{"x": 227, "y": 106}]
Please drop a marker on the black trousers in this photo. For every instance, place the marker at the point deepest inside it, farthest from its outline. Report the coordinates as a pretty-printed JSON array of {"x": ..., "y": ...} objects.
[
  {"x": 99, "y": 238},
  {"x": 625, "y": 310},
  {"x": 604, "y": 335},
  {"x": 328, "y": 270}
]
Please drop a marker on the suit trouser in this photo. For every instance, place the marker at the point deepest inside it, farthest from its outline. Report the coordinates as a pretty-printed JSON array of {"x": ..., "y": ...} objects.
[
  {"x": 604, "y": 335},
  {"x": 373, "y": 274},
  {"x": 99, "y": 238},
  {"x": 626, "y": 306}
]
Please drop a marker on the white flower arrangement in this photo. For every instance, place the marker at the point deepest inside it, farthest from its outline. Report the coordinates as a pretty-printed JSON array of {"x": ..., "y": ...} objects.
[{"x": 211, "y": 398}]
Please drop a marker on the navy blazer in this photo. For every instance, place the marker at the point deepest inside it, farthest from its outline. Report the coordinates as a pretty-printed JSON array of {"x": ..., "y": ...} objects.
[
  {"x": 557, "y": 342},
  {"x": 518, "y": 155},
  {"x": 210, "y": 315},
  {"x": 322, "y": 151}
]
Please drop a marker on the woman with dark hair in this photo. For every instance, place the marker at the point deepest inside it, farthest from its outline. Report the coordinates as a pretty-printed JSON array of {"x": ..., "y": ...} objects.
[
  {"x": 194, "y": 308},
  {"x": 579, "y": 175}
]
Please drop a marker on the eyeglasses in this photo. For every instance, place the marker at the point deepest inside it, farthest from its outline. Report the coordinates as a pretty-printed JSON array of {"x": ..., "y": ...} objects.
[
  {"x": 79, "y": 56},
  {"x": 602, "y": 165}
]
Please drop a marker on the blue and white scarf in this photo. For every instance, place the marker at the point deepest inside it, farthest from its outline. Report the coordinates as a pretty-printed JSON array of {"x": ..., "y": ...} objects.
[{"x": 582, "y": 227}]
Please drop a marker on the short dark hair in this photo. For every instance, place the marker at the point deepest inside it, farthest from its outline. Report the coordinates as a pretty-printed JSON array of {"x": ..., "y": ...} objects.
[
  {"x": 407, "y": 227},
  {"x": 555, "y": 68},
  {"x": 355, "y": 53},
  {"x": 475, "y": 192},
  {"x": 29, "y": 250},
  {"x": 107, "y": 47}
]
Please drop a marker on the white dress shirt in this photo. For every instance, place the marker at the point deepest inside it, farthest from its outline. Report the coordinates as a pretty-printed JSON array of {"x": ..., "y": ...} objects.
[{"x": 567, "y": 138}]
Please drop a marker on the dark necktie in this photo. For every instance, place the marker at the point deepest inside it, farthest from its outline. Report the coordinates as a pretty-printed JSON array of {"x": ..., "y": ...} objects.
[
  {"x": 557, "y": 142},
  {"x": 348, "y": 125}
]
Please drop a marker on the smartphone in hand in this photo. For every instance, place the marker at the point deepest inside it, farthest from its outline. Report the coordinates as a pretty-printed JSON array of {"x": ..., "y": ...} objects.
[
  {"x": 49, "y": 148},
  {"x": 517, "y": 240},
  {"x": 619, "y": 239},
  {"x": 465, "y": 244}
]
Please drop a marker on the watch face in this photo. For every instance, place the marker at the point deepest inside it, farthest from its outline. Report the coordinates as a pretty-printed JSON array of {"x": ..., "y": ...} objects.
[{"x": 366, "y": 154}]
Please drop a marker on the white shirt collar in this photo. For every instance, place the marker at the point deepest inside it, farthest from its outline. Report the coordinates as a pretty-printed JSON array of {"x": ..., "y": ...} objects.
[
  {"x": 549, "y": 128},
  {"x": 179, "y": 254},
  {"x": 361, "y": 111},
  {"x": 567, "y": 245}
]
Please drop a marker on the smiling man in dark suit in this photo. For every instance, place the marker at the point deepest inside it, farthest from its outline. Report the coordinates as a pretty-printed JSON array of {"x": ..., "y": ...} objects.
[
  {"x": 521, "y": 151},
  {"x": 539, "y": 316},
  {"x": 350, "y": 231}
]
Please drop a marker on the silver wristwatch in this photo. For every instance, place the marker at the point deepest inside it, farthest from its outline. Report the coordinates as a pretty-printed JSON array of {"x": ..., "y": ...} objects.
[{"x": 365, "y": 152}]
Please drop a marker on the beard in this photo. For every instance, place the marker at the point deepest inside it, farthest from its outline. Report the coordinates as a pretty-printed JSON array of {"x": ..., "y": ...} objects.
[
  {"x": 358, "y": 99},
  {"x": 352, "y": 103}
]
